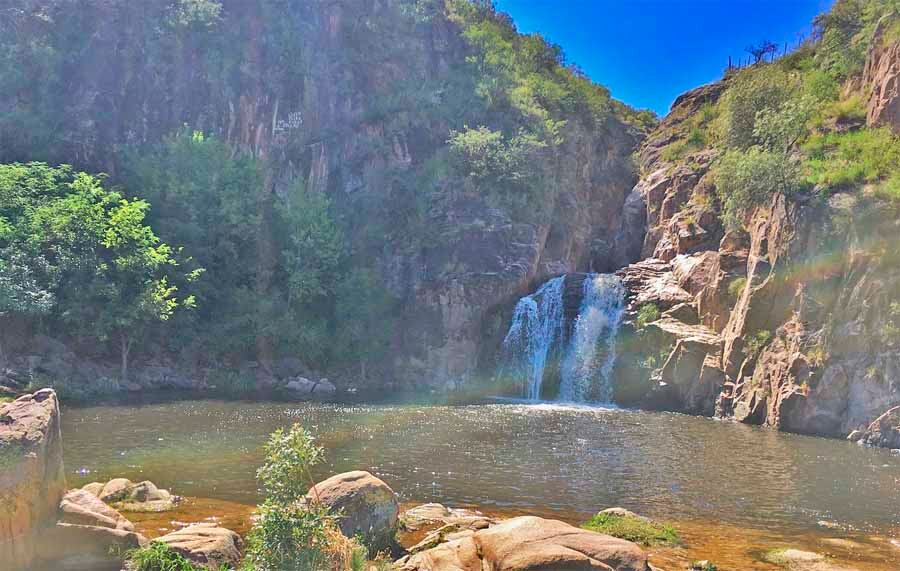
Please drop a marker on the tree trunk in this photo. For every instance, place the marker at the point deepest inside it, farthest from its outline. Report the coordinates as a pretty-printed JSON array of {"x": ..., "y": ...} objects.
[{"x": 125, "y": 343}]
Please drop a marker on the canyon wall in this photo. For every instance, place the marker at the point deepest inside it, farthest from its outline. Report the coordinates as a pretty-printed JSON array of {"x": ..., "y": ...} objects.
[{"x": 789, "y": 321}]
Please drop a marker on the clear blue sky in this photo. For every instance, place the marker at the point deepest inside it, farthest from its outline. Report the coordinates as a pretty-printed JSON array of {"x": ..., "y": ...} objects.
[{"x": 650, "y": 51}]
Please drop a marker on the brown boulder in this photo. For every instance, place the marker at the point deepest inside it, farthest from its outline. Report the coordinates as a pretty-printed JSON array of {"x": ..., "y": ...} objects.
[
  {"x": 86, "y": 546},
  {"x": 532, "y": 544},
  {"x": 884, "y": 430},
  {"x": 83, "y": 508},
  {"x": 32, "y": 479},
  {"x": 369, "y": 508},
  {"x": 206, "y": 545}
]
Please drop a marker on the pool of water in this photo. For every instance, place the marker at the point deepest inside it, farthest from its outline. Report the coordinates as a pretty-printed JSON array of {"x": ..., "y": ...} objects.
[{"x": 568, "y": 461}]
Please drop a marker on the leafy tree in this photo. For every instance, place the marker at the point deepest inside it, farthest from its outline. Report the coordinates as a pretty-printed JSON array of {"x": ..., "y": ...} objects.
[
  {"x": 364, "y": 310},
  {"x": 72, "y": 248},
  {"x": 745, "y": 179}
]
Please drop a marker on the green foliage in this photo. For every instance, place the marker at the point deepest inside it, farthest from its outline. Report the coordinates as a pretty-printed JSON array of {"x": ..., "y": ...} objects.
[
  {"x": 646, "y": 314},
  {"x": 755, "y": 343},
  {"x": 289, "y": 457},
  {"x": 736, "y": 287},
  {"x": 158, "y": 556},
  {"x": 745, "y": 179},
  {"x": 636, "y": 529},
  {"x": 703, "y": 566},
  {"x": 838, "y": 160},
  {"x": 83, "y": 254}
]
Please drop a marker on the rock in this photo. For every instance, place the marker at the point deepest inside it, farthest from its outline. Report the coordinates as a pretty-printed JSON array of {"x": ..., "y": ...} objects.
[
  {"x": 436, "y": 515},
  {"x": 324, "y": 388},
  {"x": 115, "y": 490},
  {"x": 83, "y": 508},
  {"x": 369, "y": 507},
  {"x": 882, "y": 77},
  {"x": 884, "y": 430},
  {"x": 300, "y": 385},
  {"x": 91, "y": 547},
  {"x": 94, "y": 488},
  {"x": 622, "y": 512},
  {"x": 532, "y": 544},
  {"x": 32, "y": 478},
  {"x": 206, "y": 545}
]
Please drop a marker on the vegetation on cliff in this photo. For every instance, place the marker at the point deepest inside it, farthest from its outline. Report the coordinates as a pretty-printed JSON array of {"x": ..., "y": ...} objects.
[{"x": 213, "y": 120}]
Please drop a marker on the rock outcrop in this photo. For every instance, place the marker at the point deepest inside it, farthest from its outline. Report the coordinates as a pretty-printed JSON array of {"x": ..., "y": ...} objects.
[
  {"x": 32, "y": 479},
  {"x": 530, "y": 544},
  {"x": 369, "y": 508},
  {"x": 206, "y": 545},
  {"x": 884, "y": 430},
  {"x": 882, "y": 76}
]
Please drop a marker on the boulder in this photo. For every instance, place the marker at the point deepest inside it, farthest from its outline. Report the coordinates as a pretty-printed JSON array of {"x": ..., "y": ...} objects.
[
  {"x": 369, "y": 508},
  {"x": 69, "y": 545},
  {"x": 324, "y": 388},
  {"x": 83, "y": 508},
  {"x": 300, "y": 385},
  {"x": 93, "y": 488},
  {"x": 32, "y": 478},
  {"x": 144, "y": 496},
  {"x": 533, "y": 544},
  {"x": 206, "y": 545},
  {"x": 115, "y": 490},
  {"x": 433, "y": 515},
  {"x": 884, "y": 430}
]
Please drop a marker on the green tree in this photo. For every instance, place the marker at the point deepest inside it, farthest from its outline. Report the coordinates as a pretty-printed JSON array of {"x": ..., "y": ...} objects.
[
  {"x": 364, "y": 314},
  {"x": 745, "y": 179}
]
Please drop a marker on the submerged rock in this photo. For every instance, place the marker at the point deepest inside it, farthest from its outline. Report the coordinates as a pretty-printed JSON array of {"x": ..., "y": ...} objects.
[
  {"x": 533, "y": 544},
  {"x": 369, "y": 508},
  {"x": 127, "y": 496},
  {"x": 206, "y": 545},
  {"x": 32, "y": 479}
]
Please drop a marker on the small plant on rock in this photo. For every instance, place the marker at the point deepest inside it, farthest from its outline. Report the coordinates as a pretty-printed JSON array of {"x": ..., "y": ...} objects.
[
  {"x": 647, "y": 314},
  {"x": 158, "y": 556},
  {"x": 633, "y": 528}
]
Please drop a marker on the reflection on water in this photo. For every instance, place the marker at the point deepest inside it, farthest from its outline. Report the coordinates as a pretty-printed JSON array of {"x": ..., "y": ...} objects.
[{"x": 555, "y": 459}]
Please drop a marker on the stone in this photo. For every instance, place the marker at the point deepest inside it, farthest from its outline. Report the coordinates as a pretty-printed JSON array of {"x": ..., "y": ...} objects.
[
  {"x": 115, "y": 490},
  {"x": 94, "y": 488},
  {"x": 884, "y": 431},
  {"x": 83, "y": 508},
  {"x": 300, "y": 385},
  {"x": 32, "y": 477},
  {"x": 324, "y": 388},
  {"x": 369, "y": 507},
  {"x": 533, "y": 544},
  {"x": 206, "y": 545},
  {"x": 88, "y": 546},
  {"x": 881, "y": 76},
  {"x": 141, "y": 497}
]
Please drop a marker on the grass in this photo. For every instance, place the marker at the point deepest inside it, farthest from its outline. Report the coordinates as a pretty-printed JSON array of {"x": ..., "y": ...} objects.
[
  {"x": 736, "y": 287},
  {"x": 838, "y": 160},
  {"x": 158, "y": 556},
  {"x": 635, "y": 529}
]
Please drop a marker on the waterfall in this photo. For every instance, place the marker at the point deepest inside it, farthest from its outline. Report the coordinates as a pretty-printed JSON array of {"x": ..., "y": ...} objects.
[
  {"x": 587, "y": 347},
  {"x": 536, "y": 325},
  {"x": 585, "y": 374}
]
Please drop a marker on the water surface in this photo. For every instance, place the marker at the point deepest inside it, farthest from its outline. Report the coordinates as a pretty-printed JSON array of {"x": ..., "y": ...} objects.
[{"x": 568, "y": 461}]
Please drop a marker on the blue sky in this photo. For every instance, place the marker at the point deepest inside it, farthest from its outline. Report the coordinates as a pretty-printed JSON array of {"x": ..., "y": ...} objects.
[{"x": 650, "y": 51}]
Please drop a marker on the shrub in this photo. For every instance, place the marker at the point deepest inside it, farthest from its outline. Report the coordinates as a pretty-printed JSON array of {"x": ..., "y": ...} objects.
[
  {"x": 158, "y": 556},
  {"x": 756, "y": 342},
  {"x": 647, "y": 313},
  {"x": 838, "y": 160},
  {"x": 748, "y": 179},
  {"x": 285, "y": 474},
  {"x": 736, "y": 287},
  {"x": 636, "y": 529},
  {"x": 754, "y": 91}
]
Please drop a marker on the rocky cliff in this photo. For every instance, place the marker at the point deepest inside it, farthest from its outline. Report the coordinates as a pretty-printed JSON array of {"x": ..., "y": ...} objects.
[
  {"x": 789, "y": 320},
  {"x": 354, "y": 100},
  {"x": 32, "y": 480}
]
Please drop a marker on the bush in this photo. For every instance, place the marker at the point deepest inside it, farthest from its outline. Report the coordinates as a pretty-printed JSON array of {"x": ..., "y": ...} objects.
[
  {"x": 748, "y": 179},
  {"x": 756, "y": 342},
  {"x": 736, "y": 287},
  {"x": 158, "y": 556},
  {"x": 838, "y": 160},
  {"x": 647, "y": 314},
  {"x": 754, "y": 91},
  {"x": 637, "y": 529},
  {"x": 290, "y": 533}
]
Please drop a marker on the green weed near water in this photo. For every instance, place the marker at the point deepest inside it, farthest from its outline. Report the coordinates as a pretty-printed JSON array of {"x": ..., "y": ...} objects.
[
  {"x": 635, "y": 529},
  {"x": 158, "y": 556}
]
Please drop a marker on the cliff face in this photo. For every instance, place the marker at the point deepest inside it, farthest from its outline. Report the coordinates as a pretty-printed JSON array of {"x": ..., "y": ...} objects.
[
  {"x": 350, "y": 99},
  {"x": 789, "y": 322}
]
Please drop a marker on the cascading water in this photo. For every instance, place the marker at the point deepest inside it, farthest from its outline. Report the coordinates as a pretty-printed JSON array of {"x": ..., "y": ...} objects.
[
  {"x": 586, "y": 375},
  {"x": 588, "y": 352},
  {"x": 536, "y": 325}
]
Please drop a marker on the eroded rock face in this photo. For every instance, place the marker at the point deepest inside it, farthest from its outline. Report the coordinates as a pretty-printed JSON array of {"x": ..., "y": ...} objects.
[
  {"x": 206, "y": 545},
  {"x": 532, "y": 544},
  {"x": 884, "y": 430},
  {"x": 369, "y": 508},
  {"x": 882, "y": 75},
  {"x": 32, "y": 479}
]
